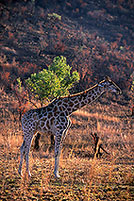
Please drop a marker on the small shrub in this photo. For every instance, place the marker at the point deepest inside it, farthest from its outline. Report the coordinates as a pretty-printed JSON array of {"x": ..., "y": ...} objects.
[
  {"x": 54, "y": 16},
  {"x": 54, "y": 82}
]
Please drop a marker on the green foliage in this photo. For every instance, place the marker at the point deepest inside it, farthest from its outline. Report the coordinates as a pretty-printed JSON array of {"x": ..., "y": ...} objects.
[
  {"x": 54, "y": 82},
  {"x": 54, "y": 16},
  {"x": 132, "y": 85},
  {"x": 132, "y": 90},
  {"x": 19, "y": 84}
]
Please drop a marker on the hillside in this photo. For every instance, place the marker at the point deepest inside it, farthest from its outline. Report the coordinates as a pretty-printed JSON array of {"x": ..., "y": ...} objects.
[{"x": 96, "y": 37}]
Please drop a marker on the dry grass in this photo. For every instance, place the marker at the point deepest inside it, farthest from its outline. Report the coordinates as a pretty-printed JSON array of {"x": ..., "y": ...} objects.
[{"x": 82, "y": 177}]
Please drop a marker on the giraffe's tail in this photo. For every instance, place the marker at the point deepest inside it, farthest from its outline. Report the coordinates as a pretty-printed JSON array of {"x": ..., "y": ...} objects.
[{"x": 36, "y": 145}]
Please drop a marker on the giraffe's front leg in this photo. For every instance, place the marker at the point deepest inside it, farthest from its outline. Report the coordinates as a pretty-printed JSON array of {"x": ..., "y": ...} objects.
[
  {"x": 59, "y": 138},
  {"x": 58, "y": 147},
  {"x": 61, "y": 130}
]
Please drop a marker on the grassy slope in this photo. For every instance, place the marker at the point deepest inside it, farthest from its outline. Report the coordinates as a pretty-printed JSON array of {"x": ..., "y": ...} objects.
[
  {"x": 82, "y": 177},
  {"x": 96, "y": 38}
]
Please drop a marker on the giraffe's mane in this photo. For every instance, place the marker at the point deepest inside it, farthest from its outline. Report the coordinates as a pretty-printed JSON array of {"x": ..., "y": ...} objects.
[{"x": 80, "y": 93}]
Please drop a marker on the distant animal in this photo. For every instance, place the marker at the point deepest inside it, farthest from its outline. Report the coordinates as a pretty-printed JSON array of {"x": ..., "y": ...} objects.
[
  {"x": 98, "y": 146},
  {"x": 54, "y": 119}
]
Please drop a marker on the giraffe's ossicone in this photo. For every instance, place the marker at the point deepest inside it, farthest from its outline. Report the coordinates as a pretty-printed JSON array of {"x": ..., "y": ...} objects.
[{"x": 54, "y": 119}]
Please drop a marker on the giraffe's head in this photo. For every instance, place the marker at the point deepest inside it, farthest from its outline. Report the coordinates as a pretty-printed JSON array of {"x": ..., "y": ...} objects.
[{"x": 109, "y": 85}]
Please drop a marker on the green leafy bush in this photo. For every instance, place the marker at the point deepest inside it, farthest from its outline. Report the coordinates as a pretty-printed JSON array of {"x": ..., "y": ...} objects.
[{"x": 54, "y": 82}]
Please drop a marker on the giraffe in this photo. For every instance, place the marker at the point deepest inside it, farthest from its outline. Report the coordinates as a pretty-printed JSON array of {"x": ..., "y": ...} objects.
[{"x": 54, "y": 119}]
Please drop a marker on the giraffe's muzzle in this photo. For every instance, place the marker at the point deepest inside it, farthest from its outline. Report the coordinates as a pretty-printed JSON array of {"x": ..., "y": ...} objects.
[{"x": 119, "y": 91}]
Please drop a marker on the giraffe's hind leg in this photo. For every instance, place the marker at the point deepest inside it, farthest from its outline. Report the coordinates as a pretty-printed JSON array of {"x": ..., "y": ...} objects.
[
  {"x": 25, "y": 148},
  {"x": 22, "y": 152}
]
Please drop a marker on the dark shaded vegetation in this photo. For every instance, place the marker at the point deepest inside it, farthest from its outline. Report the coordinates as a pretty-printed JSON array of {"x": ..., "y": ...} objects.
[{"x": 96, "y": 37}]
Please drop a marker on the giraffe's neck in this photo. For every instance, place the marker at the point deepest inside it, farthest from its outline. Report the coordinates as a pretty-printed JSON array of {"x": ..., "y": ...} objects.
[{"x": 77, "y": 101}]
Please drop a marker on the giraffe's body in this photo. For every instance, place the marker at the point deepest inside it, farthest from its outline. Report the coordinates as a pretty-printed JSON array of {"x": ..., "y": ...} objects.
[{"x": 54, "y": 119}]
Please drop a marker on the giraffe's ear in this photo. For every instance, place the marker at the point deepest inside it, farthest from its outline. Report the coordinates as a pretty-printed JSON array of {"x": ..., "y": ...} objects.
[{"x": 107, "y": 78}]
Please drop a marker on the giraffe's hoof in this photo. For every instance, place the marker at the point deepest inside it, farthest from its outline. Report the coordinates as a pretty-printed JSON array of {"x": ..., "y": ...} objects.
[{"x": 56, "y": 175}]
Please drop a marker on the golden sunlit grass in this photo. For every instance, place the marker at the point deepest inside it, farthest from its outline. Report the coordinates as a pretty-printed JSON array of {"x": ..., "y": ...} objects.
[
  {"x": 82, "y": 176},
  {"x": 96, "y": 115}
]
